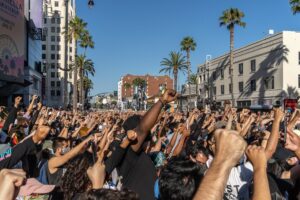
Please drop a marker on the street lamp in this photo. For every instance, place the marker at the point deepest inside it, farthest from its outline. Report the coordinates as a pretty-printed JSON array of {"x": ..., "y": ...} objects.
[{"x": 91, "y": 3}]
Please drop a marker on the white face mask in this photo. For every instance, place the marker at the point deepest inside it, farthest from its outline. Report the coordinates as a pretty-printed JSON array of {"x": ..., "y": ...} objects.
[{"x": 65, "y": 150}]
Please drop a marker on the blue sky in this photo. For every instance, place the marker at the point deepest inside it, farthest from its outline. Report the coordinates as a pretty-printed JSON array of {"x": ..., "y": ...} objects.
[{"x": 133, "y": 36}]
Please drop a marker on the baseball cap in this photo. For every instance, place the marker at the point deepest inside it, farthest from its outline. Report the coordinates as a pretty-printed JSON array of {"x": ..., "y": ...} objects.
[{"x": 33, "y": 186}]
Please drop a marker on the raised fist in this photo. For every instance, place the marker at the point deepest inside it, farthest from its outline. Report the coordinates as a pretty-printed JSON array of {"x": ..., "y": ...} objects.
[
  {"x": 131, "y": 135},
  {"x": 168, "y": 96},
  {"x": 257, "y": 156},
  {"x": 230, "y": 146}
]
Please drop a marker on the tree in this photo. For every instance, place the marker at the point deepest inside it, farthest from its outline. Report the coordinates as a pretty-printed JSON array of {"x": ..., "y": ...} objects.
[
  {"x": 86, "y": 41},
  {"x": 127, "y": 85},
  {"x": 85, "y": 67},
  {"x": 139, "y": 82},
  {"x": 174, "y": 64},
  {"x": 75, "y": 31},
  {"x": 188, "y": 44},
  {"x": 194, "y": 81},
  {"x": 87, "y": 85},
  {"x": 230, "y": 18},
  {"x": 295, "y": 6}
]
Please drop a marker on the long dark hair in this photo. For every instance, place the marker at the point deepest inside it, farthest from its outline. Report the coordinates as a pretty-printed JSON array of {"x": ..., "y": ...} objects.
[{"x": 76, "y": 180}]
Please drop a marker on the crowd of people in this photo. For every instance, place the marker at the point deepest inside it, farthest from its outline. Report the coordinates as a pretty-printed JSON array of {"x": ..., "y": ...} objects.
[{"x": 203, "y": 154}]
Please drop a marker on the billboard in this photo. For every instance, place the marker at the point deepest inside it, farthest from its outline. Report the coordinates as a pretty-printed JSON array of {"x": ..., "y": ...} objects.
[{"x": 12, "y": 40}]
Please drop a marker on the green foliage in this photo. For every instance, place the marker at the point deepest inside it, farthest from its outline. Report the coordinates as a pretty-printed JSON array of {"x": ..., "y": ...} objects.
[
  {"x": 175, "y": 63},
  {"x": 295, "y": 6},
  {"x": 232, "y": 17},
  {"x": 139, "y": 82},
  {"x": 188, "y": 44}
]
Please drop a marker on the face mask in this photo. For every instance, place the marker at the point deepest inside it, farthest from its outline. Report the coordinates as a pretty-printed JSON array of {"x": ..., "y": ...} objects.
[{"x": 65, "y": 150}]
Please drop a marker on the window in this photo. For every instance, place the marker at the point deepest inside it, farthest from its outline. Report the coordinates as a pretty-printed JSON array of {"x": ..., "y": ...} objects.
[
  {"x": 70, "y": 49},
  {"x": 230, "y": 88},
  {"x": 241, "y": 68},
  {"x": 58, "y": 83},
  {"x": 52, "y": 74},
  {"x": 269, "y": 83},
  {"x": 229, "y": 71},
  {"x": 58, "y": 20},
  {"x": 53, "y": 20},
  {"x": 52, "y": 56},
  {"x": 43, "y": 56},
  {"x": 52, "y": 29},
  {"x": 43, "y": 47},
  {"x": 58, "y": 74},
  {"x": 222, "y": 73},
  {"x": 52, "y": 84},
  {"x": 56, "y": 3},
  {"x": 58, "y": 38},
  {"x": 253, "y": 65},
  {"x": 71, "y": 58},
  {"x": 299, "y": 81},
  {"x": 58, "y": 93},
  {"x": 52, "y": 38},
  {"x": 58, "y": 65},
  {"x": 52, "y": 47},
  {"x": 58, "y": 29},
  {"x": 215, "y": 90},
  {"x": 222, "y": 89},
  {"x": 253, "y": 85},
  {"x": 70, "y": 75},
  {"x": 52, "y": 65},
  {"x": 58, "y": 47},
  {"x": 35, "y": 84},
  {"x": 58, "y": 56},
  {"x": 214, "y": 75},
  {"x": 52, "y": 92},
  {"x": 204, "y": 77},
  {"x": 241, "y": 86},
  {"x": 45, "y": 20}
]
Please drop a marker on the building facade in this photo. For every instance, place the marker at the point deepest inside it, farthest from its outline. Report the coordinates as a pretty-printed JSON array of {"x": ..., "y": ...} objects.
[
  {"x": 264, "y": 72},
  {"x": 53, "y": 47},
  {"x": 153, "y": 86}
]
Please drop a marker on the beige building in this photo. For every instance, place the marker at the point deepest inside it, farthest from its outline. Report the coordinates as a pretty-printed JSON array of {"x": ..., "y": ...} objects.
[
  {"x": 264, "y": 72},
  {"x": 53, "y": 47}
]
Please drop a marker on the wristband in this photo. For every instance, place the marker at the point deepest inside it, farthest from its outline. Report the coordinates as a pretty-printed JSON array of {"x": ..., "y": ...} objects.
[{"x": 161, "y": 102}]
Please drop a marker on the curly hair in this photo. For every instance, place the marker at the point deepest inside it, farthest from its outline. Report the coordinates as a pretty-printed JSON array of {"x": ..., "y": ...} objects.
[
  {"x": 107, "y": 194},
  {"x": 76, "y": 180}
]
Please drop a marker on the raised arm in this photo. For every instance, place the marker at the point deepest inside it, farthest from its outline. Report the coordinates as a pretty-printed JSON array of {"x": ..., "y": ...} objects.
[
  {"x": 150, "y": 118},
  {"x": 258, "y": 158},
  {"x": 229, "y": 149},
  {"x": 274, "y": 137}
]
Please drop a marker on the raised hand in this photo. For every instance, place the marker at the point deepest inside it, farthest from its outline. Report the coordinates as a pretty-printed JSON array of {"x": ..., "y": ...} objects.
[
  {"x": 230, "y": 146},
  {"x": 131, "y": 135},
  {"x": 257, "y": 156},
  {"x": 168, "y": 96},
  {"x": 18, "y": 100},
  {"x": 292, "y": 141}
]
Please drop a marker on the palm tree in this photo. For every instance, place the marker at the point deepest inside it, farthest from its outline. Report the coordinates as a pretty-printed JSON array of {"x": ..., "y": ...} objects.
[
  {"x": 174, "y": 64},
  {"x": 194, "y": 81},
  {"x": 85, "y": 67},
  {"x": 139, "y": 82},
  {"x": 86, "y": 41},
  {"x": 87, "y": 85},
  {"x": 188, "y": 44},
  {"x": 230, "y": 18},
  {"x": 295, "y": 5},
  {"x": 75, "y": 31}
]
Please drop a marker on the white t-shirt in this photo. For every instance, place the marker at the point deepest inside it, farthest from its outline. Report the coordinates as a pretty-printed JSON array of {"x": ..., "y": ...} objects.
[{"x": 239, "y": 182}]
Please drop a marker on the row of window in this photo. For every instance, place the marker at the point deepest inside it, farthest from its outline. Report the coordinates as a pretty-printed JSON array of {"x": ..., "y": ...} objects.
[
  {"x": 269, "y": 83},
  {"x": 55, "y": 93},
  {"x": 221, "y": 71},
  {"x": 53, "y": 83},
  {"x": 55, "y": 47},
  {"x": 53, "y": 57},
  {"x": 54, "y": 20},
  {"x": 252, "y": 67}
]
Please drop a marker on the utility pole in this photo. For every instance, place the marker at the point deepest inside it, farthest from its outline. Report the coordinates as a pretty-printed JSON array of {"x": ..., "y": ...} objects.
[{"x": 66, "y": 54}]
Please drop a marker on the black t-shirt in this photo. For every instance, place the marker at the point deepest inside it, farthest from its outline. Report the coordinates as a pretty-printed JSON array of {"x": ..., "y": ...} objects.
[
  {"x": 10, "y": 119},
  {"x": 138, "y": 172}
]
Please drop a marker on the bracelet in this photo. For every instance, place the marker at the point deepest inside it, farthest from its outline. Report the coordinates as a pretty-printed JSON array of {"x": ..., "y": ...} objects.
[{"x": 161, "y": 102}]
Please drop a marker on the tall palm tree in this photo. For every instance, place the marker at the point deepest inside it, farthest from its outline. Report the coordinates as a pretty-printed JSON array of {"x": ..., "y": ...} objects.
[
  {"x": 75, "y": 31},
  {"x": 295, "y": 5},
  {"x": 139, "y": 82},
  {"x": 174, "y": 64},
  {"x": 188, "y": 44},
  {"x": 86, "y": 41},
  {"x": 230, "y": 18},
  {"x": 85, "y": 67}
]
